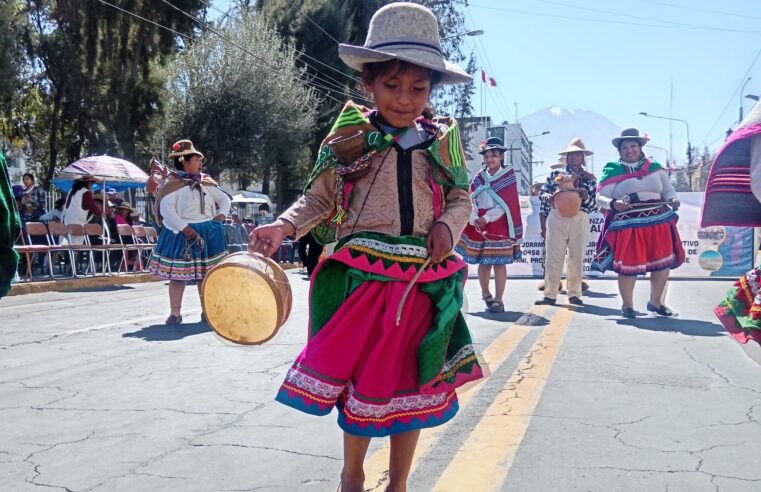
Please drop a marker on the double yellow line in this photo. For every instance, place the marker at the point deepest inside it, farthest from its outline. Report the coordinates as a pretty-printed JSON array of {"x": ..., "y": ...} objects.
[{"x": 484, "y": 459}]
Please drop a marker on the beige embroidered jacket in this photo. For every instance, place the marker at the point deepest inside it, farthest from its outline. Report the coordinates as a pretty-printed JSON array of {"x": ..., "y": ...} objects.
[{"x": 398, "y": 202}]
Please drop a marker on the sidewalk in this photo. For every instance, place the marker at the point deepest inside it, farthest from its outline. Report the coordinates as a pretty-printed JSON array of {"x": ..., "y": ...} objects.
[{"x": 73, "y": 284}]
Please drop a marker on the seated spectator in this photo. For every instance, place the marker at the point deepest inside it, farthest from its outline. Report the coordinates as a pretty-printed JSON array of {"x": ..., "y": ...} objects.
[
  {"x": 123, "y": 213},
  {"x": 80, "y": 206},
  {"x": 55, "y": 215},
  {"x": 34, "y": 197},
  {"x": 264, "y": 217}
]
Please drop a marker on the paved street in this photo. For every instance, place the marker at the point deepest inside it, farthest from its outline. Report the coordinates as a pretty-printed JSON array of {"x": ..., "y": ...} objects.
[{"x": 97, "y": 394}]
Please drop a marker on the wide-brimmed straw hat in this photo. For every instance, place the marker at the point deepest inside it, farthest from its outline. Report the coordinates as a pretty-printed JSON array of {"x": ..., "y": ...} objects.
[
  {"x": 102, "y": 198},
  {"x": 407, "y": 32},
  {"x": 491, "y": 143},
  {"x": 560, "y": 164},
  {"x": 576, "y": 145},
  {"x": 126, "y": 205},
  {"x": 182, "y": 148},
  {"x": 630, "y": 133}
]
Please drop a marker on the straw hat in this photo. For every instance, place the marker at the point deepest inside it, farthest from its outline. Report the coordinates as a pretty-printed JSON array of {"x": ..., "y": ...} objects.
[
  {"x": 126, "y": 205},
  {"x": 576, "y": 145},
  {"x": 101, "y": 198},
  {"x": 182, "y": 148},
  {"x": 408, "y": 32},
  {"x": 560, "y": 163},
  {"x": 630, "y": 134},
  {"x": 491, "y": 143}
]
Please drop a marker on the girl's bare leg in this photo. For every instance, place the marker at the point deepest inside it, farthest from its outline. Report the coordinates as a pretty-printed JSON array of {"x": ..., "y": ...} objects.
[
  {"x": 500, "y": 279},
  {"x": 353, "y": 473},
  {"x": 402, "y": 451},
  {"x": 484, "y": 272},
  {"x": 626, "y": 288}
]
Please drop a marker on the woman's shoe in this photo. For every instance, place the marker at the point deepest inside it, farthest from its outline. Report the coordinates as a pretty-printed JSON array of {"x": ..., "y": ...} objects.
[
  {"x": 628, "y": 313},
  {"x": 662, "y": 310},
  {"x": 576, "y": 301},
  {"x": 173, "y": 320},
  {"x": 497, "y": 307},
  {"x": 545, "y": 301}
]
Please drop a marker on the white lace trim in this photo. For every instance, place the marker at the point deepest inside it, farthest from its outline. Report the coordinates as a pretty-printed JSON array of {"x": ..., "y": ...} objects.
[
  {"x": 393, "y": 249},
  {"x": 397, "y": 404},
  {"x": 461, "y": 354},
  {"x": 313, "y": 385}
]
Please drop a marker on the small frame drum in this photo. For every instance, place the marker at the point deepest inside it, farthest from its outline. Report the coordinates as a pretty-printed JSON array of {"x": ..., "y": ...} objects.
[
  {"x": 567, "y": 199},
  {"x": 246, "y": 298}
]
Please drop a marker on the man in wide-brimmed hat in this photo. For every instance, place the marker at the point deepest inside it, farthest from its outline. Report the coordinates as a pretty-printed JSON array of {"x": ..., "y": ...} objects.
[{"x": 564, "y": 234}]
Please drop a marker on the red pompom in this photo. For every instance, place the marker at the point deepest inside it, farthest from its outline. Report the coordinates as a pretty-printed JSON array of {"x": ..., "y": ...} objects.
[{"x": 176, "y": 147}]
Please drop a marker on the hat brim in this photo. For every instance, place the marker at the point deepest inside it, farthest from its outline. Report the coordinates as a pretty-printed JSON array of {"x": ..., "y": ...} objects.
[
  {"x": 492, "y": 147},
  {"x": 357, "y": 56},
  {"x": 172, "y": 155},
  {"x": 577, "y": 149},
  {"x": 617, "y": 141}
]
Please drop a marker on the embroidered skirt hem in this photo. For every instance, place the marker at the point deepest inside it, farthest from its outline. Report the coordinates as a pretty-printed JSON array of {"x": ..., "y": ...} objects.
[{"x": 169, "y": 260}]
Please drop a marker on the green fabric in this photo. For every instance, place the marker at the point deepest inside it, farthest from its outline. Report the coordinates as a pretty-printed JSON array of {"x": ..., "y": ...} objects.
[
  {"x": 10, "y": 226},
  {"x": 736, "y": 307},
  {"x": 336, "y": 281},
  {"x": 455, "y": 175},
  {"x": 613, "y": 169}
]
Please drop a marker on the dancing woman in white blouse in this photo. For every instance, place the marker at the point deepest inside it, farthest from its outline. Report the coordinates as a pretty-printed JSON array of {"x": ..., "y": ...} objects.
[{"x": 190, "y": 208}]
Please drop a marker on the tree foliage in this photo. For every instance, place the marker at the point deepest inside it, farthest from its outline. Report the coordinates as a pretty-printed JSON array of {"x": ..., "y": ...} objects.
[
  {"x": 91, "y": 84},
  {"x": 244, "y": 102}
]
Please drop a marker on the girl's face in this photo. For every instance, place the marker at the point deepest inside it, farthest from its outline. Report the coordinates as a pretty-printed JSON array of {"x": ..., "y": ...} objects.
[
  {"x": 493, "y": 159},
  {"x": 28, "y": 181},
  {"x": 630, "y": 151},
  {"x": 401, "y": 97},
  {"x": 574, "y": 159},
  {"x": 192, "y": 164}
]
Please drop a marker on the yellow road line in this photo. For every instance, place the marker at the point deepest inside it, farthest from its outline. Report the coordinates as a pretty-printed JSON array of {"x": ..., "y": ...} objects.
[
  {"x": 376, "y": 467},
  {"x": 485, "y": 458}
]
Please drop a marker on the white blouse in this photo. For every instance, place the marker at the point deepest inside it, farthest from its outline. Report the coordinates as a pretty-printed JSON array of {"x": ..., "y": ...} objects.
[
  {"x": 485, "y": 201},
  {"x": 654, "y": 186},
  {"x": 755, "y": 166},
  {"x": 183, "y": 207}
]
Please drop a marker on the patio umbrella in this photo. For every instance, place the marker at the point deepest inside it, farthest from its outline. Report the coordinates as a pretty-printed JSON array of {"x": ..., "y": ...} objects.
[
  {"x": 118, "y": 173},
  {"x": 107, "y": 171}
]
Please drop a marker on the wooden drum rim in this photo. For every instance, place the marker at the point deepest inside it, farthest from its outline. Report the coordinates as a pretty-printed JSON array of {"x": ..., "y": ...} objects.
[{"x": 273, "y": 288}]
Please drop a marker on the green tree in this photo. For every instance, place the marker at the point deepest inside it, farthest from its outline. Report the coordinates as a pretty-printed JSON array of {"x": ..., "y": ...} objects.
[
  {"x": 245, "y": 103},
  {"x": 92, "y": 69}
]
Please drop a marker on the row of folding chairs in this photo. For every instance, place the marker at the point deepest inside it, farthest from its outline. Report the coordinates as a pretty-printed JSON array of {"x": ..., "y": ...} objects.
[
  {"x": 237, "y": 240},
  {"x": 74, "y": 242}
]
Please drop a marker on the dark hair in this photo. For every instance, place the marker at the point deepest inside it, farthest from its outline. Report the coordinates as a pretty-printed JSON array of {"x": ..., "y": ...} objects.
[
  {"x": 394, "y": 68},
  {"x": 177, "y": 161},
  {"x": 30, "y": 176},
  {"x": 264, "y": 206},
  {"x": 60, "y": 202},
  {"x": 78, "y": 185}
]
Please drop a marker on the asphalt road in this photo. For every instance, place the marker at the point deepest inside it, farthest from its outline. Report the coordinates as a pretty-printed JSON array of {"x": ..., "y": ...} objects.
[{"x": 97, "y": 394}]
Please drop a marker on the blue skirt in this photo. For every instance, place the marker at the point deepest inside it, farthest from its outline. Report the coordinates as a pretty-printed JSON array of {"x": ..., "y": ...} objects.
[{"x": 172, "y": 259}]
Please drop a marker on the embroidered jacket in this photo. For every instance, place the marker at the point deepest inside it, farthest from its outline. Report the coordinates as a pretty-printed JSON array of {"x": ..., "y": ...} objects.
[{"x": 400, "y": 192}]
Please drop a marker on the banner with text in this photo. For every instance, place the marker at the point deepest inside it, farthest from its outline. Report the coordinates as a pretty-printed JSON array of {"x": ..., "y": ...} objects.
[{"x": 711, "y": 251}]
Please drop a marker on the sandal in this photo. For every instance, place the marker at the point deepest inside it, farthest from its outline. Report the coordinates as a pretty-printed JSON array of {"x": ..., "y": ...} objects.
[
  {"x": 497, "y": 307},
  {"x": 173, "y": 320},
  {"x": 488, "y": 299}
]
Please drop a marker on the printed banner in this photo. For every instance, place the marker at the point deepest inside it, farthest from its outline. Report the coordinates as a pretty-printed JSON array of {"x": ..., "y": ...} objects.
[{"x": 711, "y": 251}]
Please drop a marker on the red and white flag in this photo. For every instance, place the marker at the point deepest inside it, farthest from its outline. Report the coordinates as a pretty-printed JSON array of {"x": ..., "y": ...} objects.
[{"x": 488, "y": 80}]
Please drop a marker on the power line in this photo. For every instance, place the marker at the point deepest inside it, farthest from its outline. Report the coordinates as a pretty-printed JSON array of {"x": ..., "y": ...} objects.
[
  {"x": 650, "y": 19},
  {"x": 213, "y": 7},
  {"x": 293, "y": 7},
  {"x": 233, "y": 44},
  {"x": 732, "y": 97},
  {"x": 696, "y": 9},
  {"x": 609, "y": 21},
  {"x": 333, "y": 84}
]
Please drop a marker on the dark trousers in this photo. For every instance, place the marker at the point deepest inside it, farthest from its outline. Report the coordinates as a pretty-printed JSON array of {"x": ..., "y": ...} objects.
[{"x": 309, "y": 251}]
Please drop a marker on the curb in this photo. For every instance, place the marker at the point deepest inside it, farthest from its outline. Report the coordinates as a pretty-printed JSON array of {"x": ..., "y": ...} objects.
[{"x": 68, "y": 285}]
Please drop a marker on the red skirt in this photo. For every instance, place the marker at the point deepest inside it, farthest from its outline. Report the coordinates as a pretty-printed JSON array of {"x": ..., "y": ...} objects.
[
  {"x": 491, "y": 245},
  {"x": 640, "y": 250}
]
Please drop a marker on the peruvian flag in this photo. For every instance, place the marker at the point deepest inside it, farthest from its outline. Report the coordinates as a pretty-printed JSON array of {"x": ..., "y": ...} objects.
[{"x": 488, "y": 80}]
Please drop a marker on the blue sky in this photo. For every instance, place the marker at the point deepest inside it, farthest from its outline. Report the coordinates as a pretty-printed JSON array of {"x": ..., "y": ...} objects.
[{"x": 620, "y": 58}]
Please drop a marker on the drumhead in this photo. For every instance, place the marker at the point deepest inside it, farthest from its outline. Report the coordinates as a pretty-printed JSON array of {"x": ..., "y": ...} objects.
[{"x": 242, "y": 304}]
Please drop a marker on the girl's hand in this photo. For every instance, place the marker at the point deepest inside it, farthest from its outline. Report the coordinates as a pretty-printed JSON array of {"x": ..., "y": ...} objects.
[
  {"x": 439, "y": 241},
  {"x": 621, "y": 206},
  {"x": 220, "y": 218},
  {"x": 266, "y": 239},
  {"x": 480, "y": 223},
  {"x": 675, "y": 203}
]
